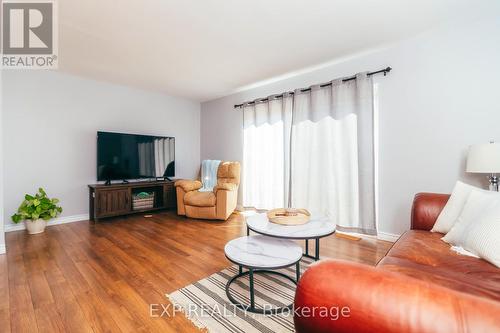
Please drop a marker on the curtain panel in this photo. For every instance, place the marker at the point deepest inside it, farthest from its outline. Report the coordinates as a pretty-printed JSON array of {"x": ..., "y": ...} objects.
[
  {"x": 314, "y": 149},
  {"x": 266, "y": 150},
  {"x": 332, "y": 147}
]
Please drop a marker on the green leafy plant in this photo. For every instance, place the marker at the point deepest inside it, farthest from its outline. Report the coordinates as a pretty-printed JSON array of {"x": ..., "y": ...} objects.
[{"x": 36, "y": 207}]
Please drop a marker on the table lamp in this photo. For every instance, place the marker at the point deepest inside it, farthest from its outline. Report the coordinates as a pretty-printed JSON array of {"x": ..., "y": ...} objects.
[{"x": 485, "y": 158}]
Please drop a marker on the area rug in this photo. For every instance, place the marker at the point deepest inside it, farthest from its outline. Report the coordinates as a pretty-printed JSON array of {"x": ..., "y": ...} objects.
[{"x": 205, "y": 302}]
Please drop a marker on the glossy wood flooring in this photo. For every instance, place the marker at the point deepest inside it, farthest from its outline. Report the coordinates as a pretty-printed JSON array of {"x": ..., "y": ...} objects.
[{"x": 80, "y": 277}]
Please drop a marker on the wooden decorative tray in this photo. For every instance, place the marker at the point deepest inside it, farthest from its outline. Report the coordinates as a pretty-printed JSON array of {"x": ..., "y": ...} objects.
[{"x": 288, "y": 216}]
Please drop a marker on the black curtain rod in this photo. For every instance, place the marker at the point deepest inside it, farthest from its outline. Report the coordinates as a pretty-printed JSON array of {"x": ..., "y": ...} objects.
[{"x": 385, "y": 71}]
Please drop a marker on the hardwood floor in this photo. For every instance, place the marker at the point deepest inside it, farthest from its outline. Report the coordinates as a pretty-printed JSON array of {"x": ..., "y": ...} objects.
[{"x": 80, "y": 277}]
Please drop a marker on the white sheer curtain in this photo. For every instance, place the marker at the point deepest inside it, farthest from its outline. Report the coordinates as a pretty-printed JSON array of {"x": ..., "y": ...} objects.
[
  {"x": 332, "y": 153},
  {"x": 325, "y": 168},
  {"x": 266, "y": 127},
  {"x": 314, "y": 149}
]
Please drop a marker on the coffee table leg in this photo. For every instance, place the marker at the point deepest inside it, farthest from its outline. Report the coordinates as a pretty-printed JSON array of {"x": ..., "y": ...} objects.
[
  {"x": 316, "y": 255},
  {"x": 248, "y": 231},
  {"x": 252, "y": 300},
  {"x": 297, "y": 270},
  {"x": 307, "y": 247},
  {"x": 240, "y": 269},
  {"x": 251, "y": 305}
]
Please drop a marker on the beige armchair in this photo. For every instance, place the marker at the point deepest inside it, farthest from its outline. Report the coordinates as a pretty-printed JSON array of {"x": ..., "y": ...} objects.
[{"x": 215, "y": 205}]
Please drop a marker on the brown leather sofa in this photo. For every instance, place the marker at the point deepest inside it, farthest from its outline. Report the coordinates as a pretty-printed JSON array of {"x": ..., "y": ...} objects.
[
  {"x": 419, "y": 286},
  {"x": 218, "y": 204}
]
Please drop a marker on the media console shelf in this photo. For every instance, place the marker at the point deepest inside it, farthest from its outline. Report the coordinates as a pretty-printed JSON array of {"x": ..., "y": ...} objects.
[{"x": 116, "y": 199}]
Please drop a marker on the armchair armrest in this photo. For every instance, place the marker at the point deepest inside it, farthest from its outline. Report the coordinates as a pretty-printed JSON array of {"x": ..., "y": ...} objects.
[
  {"x": 426, "y": 209},
  {"x": 227, "y": 199},
  {"x": 189, "y": 185},
  {"x": 383, "y": 301},
  {"x": 225, "y": 187}
]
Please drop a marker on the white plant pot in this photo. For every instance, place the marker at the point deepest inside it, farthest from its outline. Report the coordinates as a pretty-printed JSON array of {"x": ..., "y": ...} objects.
[{"x": 35, "y": 226}]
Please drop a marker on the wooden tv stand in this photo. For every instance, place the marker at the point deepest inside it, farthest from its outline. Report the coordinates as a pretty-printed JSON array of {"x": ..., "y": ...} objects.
[{"x": 116, "y": 199}]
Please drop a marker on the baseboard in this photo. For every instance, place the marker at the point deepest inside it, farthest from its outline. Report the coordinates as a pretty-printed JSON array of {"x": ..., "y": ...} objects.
[
  {"x": 59, "y": 220},
  {"x": 385, "y": 236},
  {"x": 3, "y": 249}
]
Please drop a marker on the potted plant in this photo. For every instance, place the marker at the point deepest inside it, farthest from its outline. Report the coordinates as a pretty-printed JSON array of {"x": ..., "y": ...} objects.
[{"x": 36, "y": 210}]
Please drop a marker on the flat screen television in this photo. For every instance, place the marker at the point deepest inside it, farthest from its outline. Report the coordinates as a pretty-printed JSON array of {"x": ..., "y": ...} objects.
[{"x": 123, "y": 156}]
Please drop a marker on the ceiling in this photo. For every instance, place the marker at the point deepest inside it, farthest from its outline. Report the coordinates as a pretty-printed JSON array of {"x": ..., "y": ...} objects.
[{"x": 202, "y": 49}]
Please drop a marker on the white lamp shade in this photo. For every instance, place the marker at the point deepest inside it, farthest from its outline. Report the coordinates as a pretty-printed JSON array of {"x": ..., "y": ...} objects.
[{"x": 484, "y": 158}]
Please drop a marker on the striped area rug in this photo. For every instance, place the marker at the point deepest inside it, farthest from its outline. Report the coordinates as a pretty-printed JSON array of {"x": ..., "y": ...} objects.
[{"x": 205, "y": 302}]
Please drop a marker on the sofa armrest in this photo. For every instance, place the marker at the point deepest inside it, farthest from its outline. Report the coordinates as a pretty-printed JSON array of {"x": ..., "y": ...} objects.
[
  {"x": 360, "y": 298},
  {"x": 426, "y": 209},
  {"x": 189, "y": 185}
]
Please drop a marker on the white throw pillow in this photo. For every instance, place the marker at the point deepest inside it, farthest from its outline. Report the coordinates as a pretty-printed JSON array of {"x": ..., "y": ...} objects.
[
  {"x": 478, "y": 204},
  {"x": 480, "y": 234},
  {"x": 454, "y": 207}
]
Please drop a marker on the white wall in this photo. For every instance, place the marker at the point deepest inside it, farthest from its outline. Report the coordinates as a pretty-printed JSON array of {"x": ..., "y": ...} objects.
[
  {"x": 441, "y": 97},
  {"x": 49, "y": 131}
]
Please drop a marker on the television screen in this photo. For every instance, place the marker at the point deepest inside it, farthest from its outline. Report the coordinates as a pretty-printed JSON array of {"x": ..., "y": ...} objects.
[{"x": 130, "y": 156}]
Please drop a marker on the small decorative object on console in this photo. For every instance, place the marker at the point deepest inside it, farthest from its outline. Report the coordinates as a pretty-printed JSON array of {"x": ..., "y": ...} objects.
[{"x": 288, "y": 216}]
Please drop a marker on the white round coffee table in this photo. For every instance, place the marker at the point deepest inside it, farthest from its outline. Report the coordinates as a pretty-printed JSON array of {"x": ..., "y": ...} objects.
[
  {"x": 318, "y": 227},
  {"x": 261, "y": 254}
]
